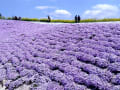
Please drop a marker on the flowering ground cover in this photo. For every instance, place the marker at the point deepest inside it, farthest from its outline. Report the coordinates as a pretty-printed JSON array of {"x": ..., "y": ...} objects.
[{"x": 60, "y": 56}]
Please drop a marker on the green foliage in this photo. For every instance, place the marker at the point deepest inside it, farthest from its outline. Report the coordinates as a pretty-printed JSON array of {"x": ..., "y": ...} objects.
[
  {"x": 43, "y": 20},
  {"x": 9, "y": 18},
  {"x": 30, "y": 19},
  {"x": 2, "y": 17},
  {"x": 110, "y": 19},
  {"x": 72, "y": 21},
  {"x": 63, "y": 21},
  {"x": 82, "y": 21},
  {"x": 88, "y": 20},
  {"x": 101, "y": 20},
  {"x": 57, "y": 20}
]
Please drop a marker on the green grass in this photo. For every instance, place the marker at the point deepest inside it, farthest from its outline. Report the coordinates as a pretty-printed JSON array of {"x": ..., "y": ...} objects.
[
  {"x": 43, "y": 20},
  {"x": 82, "y": 21},
  {"x": 100, "y": 20},
  {"x": 64, "y": 21},
  {"x": 30, "y": 19},
  {"x": 9, "y": 18},
  {"x": 2, "y": 17}
]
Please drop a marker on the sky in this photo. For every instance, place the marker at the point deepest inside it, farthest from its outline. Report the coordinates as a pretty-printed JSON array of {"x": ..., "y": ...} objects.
[{"x": 61, "y": 9}]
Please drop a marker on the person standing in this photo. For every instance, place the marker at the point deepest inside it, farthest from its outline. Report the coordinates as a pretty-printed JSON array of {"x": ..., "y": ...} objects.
[
  {"x": 19, "y": 18},
  {"x": 49, "y": 19},
  {"x": 15, "y": 18},
  {"x": 79, "y": 18},
  {"x": 0, "y": 15},
  {"x": 76, "y": 20}
]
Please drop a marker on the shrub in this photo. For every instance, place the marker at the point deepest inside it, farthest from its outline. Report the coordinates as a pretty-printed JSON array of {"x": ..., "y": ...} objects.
[
  {"x": 1, "y": 17},
  {"x": 9, "y": 18}
]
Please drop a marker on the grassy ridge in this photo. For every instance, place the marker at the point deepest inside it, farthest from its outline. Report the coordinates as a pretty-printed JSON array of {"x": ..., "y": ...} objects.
[
  {"x": 72, "y": 21},
  {"x": 65, "y": 21}
]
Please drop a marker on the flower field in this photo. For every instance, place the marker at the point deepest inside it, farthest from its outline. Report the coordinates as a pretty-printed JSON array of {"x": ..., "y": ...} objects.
[{"x": 59, "y": 56}]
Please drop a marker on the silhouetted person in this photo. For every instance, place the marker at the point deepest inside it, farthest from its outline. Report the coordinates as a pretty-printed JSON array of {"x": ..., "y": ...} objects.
[
  {"x": 76, "y": 20},
  {"x": 49, "y": 19},
  {"x": 14, "y": 18},
  {"x": 79, "y": 18},
  {"x": 19, "y": 18},
  {"x": 0, "y": 15}
]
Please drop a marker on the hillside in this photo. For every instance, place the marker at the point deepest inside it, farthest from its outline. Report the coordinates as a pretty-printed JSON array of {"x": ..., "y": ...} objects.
[{"x": 59, "y": 56}]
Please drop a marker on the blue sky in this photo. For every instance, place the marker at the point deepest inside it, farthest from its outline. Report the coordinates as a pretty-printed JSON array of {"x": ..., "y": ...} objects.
[{"x": 61, "y": 9}]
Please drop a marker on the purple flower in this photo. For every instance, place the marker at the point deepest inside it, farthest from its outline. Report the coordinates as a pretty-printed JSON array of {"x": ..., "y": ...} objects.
[
  {"x": 2, "y": 74},
  {"x": 59, "y": 57},
  {"x": 73, "y": 86},
  {"x": 114, "y": 67},
  {"x": 116, "y": 79},
  {"x": 54, "y": 86}
]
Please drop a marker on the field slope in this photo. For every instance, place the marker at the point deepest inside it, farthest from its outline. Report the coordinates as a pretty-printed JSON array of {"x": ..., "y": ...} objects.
[{"x": 59, "y": 56}]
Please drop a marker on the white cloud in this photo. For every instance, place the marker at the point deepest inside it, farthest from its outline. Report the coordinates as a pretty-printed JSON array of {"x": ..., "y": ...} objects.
[
  {"x": 62, "y": 12},
  {"x": 102, "y": 11},
  {"x": 44, "y": 7}
]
